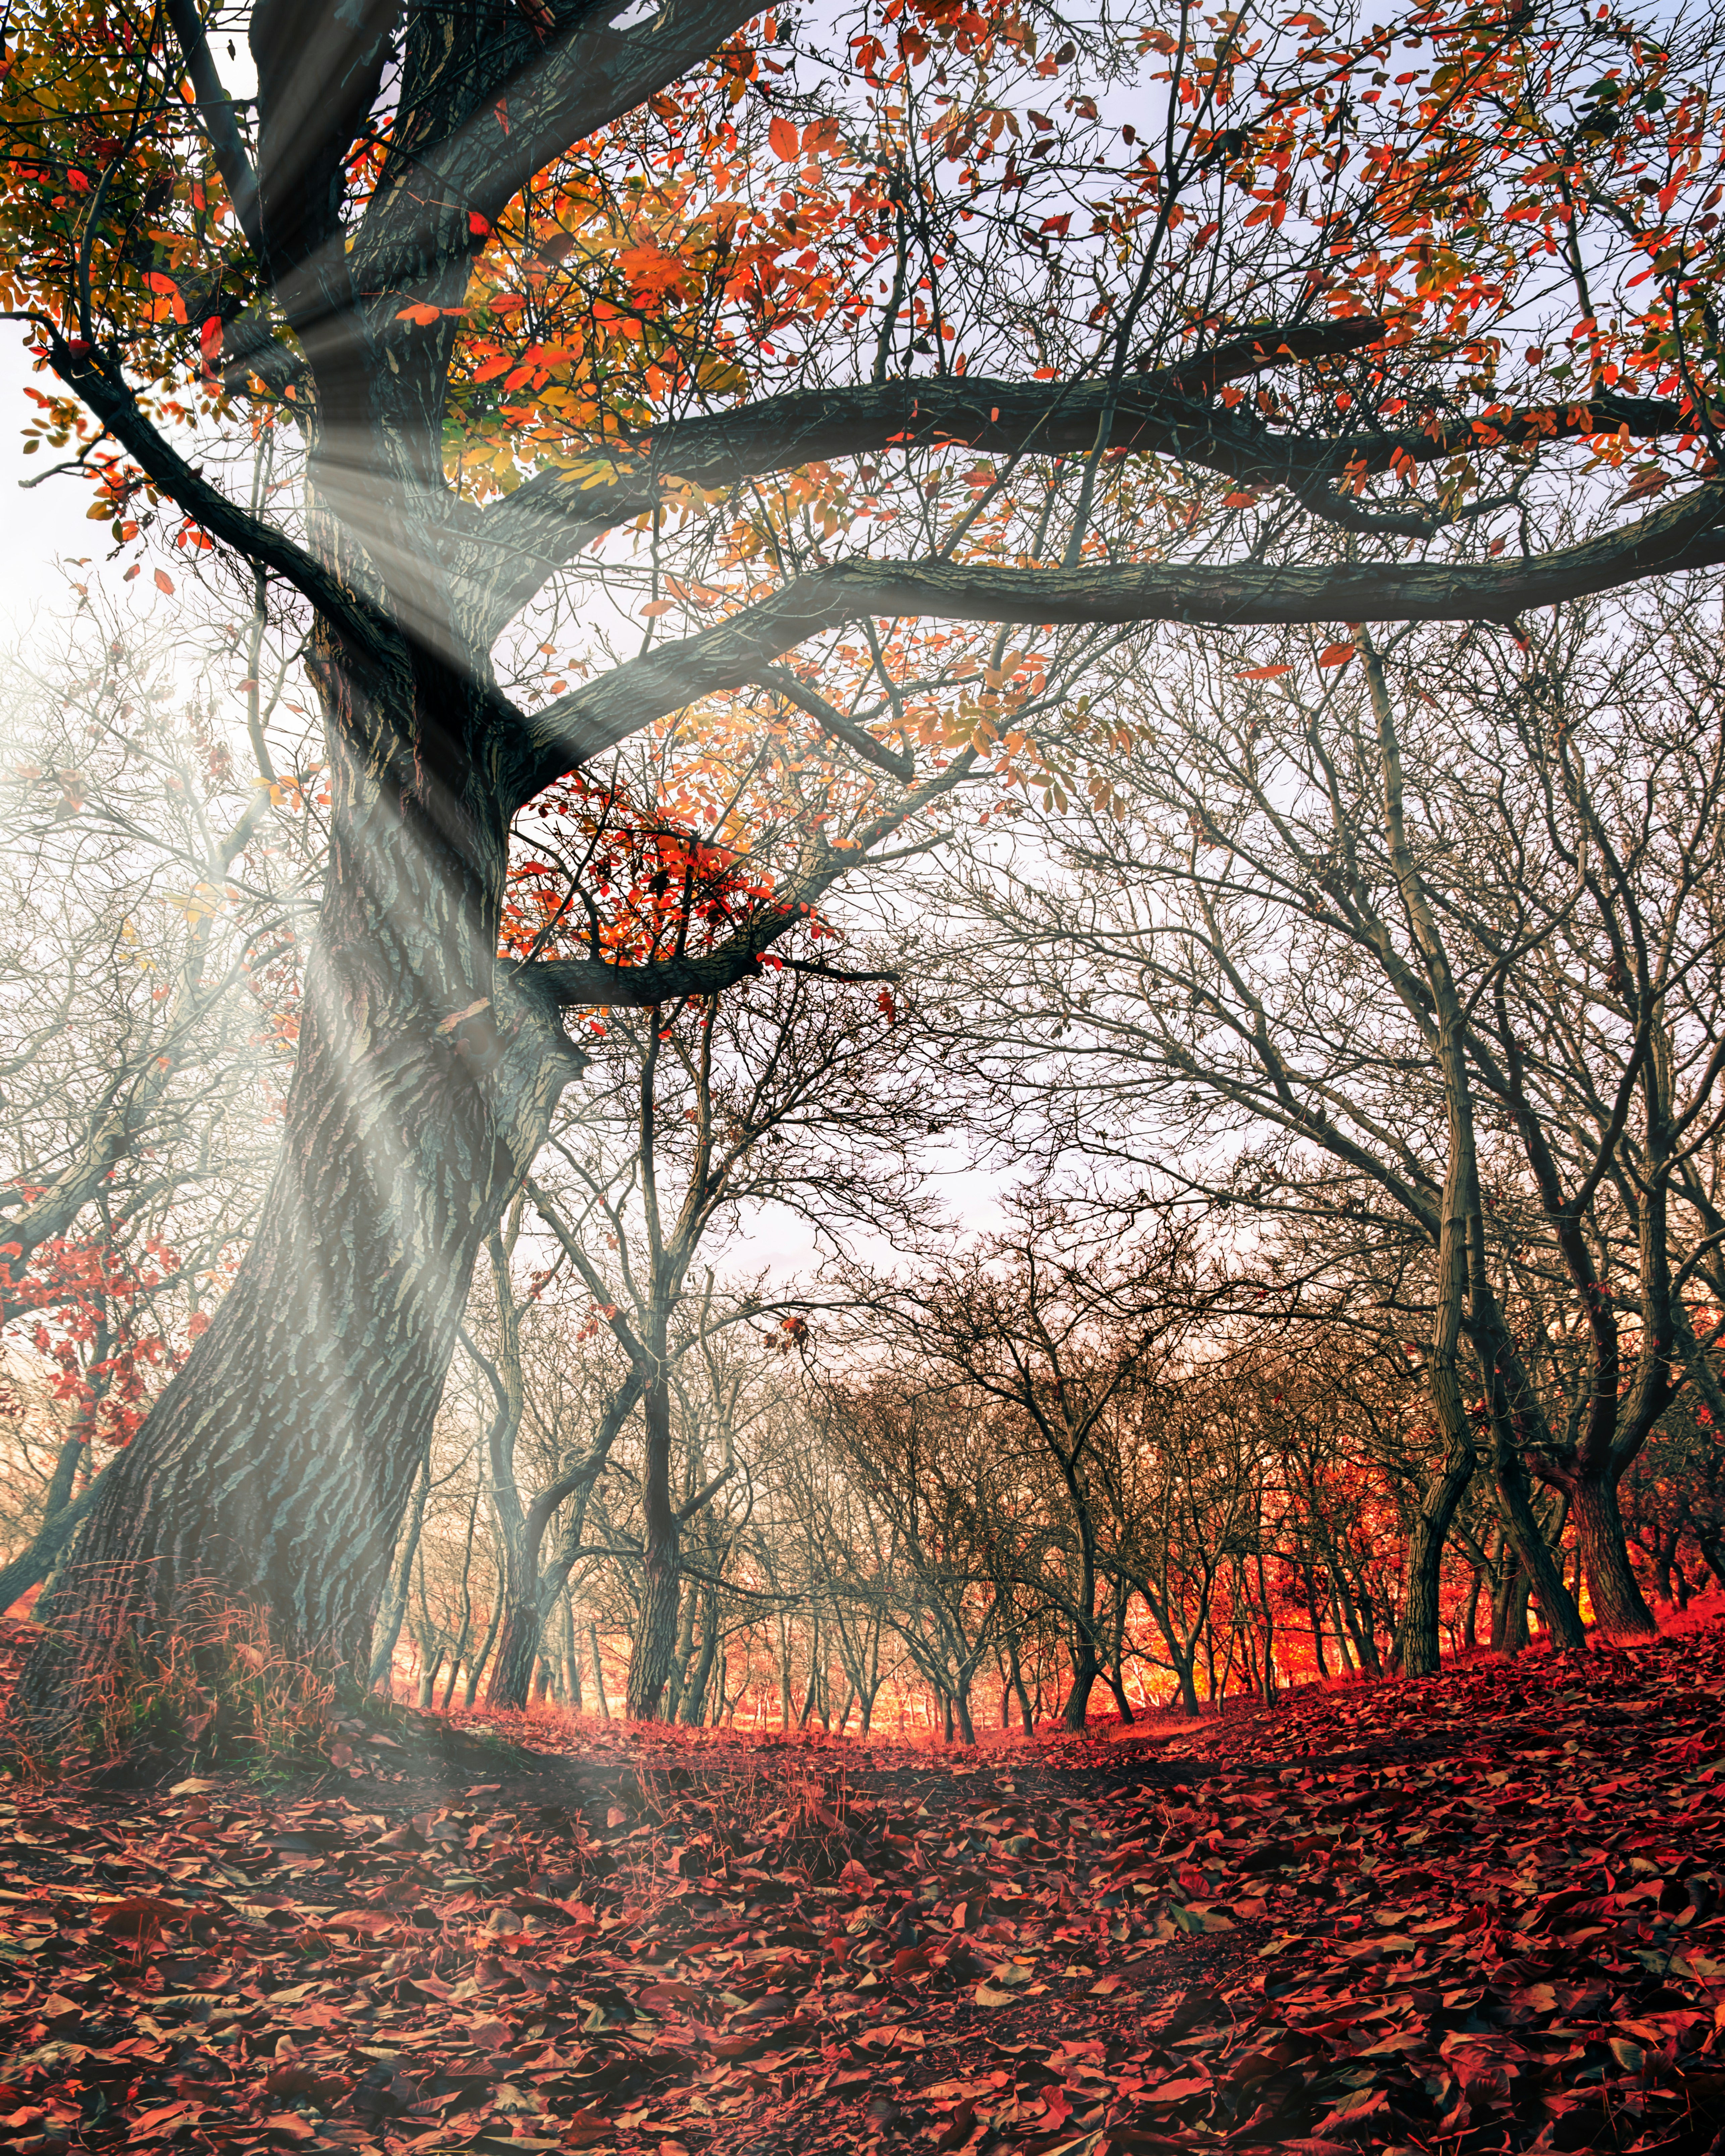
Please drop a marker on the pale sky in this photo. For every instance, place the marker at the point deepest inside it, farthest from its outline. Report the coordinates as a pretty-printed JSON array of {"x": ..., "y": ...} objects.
[{"x": 43, "y": 524}]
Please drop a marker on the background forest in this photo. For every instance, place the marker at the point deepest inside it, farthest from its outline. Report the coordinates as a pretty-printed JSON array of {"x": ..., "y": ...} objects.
[{"x": 877, "y": 874}]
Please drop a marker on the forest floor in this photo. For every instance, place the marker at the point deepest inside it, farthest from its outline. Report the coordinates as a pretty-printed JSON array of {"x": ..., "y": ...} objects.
[{"x": 1479, "y": 1912}]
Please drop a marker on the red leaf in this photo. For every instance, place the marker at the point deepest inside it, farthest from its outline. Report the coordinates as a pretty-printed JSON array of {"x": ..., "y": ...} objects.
[
  {"x": 164, "y": 582},
  {"x": 1336, "y": 655}
]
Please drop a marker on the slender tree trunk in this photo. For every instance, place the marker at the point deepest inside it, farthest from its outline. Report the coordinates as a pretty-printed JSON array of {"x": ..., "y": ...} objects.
[
  {"x": 1018, "y": 1685},
  {"x": 808, "y": 1696},
  {"x": 694, "y": 1707},
  {"x": 1556, "y": 1608},
  {"x": 598, "y": 1672},
  {"x": 961, "y": 1709},
  {"x": 572, "y": 1654},
  {"x": 477, "y": 1668},
  {"x": 661, "y": 1579},
  {"x": 455, "y": 1654},
  {"x": 1318, "y": 1627},
  {"x": 784, "y": 1672},
  {"x": 384, "y": 1650},
  {"x": 1349, "y": 1668},
  {"x": 466, "y": 1593},
  {"x": 1268, "y": 1633},
  {"x": 1470, "y": 1611},
  {"x": 681, "y": 1654},
  {"x": 62, "y": 1516}
]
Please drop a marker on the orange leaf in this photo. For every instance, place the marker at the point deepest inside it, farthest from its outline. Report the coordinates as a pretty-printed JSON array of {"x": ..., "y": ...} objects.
[
  {"x": 1266, "y": 673},
  {"x": 1336, "y": 655},
  {"x": 164, "y": 582},
  {"x": 784, "y": 137}
]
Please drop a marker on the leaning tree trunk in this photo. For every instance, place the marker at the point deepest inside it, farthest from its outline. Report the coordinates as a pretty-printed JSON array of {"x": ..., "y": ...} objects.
[
  {"x": 276, "y": 1465},
  {"x": 695, "y": 1700}
]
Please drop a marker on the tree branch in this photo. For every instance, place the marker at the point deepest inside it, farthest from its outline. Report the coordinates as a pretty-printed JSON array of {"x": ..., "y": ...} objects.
[
  {"x": 215, "y": 109},
  {"x": 518, "y": 542},
  {"x": 1685, "y": 534},
  {"x": 831, "y": 721},
  {"x": 517, "y": 118},
  {"x": 368, "y": 633},
  {"x": 597, "y": 981}
]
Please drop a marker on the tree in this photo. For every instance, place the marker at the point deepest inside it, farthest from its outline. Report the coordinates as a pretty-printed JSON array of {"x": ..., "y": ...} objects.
[
  {"x": 1438, "y": 924},
  {"x": 792, "y": 1091},
  {"x": 507, "y": 282},
  {"x": 531, "y": 1587},
  {"x": 1052, "y": 1334}
]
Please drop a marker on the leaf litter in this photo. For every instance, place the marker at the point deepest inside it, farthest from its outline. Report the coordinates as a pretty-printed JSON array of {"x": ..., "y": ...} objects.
[{"x": 1477, "y": 1912}]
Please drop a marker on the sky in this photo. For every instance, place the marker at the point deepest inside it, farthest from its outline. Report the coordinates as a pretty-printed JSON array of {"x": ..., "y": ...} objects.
[{"x": 40, "y": 526}]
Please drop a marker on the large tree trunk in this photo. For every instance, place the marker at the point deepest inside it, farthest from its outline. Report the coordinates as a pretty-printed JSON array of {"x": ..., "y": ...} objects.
[
  {"x": 1420, "y": 1642},
  {"x": 512, "y": 1672},
  {"x": 1619, "y": 1608},
  {"x": 275, "y": 1468},
  {"x": 1086, "y": 1670}
]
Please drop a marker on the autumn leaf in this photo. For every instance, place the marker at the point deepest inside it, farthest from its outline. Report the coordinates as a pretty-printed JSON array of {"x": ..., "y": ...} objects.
[{"x": 164, "y": 582}]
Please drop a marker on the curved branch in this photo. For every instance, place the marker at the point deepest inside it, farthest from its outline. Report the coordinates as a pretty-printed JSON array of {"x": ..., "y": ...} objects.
[
  {"x": 832, "y": 720},
  {"x": 215, "y": 109},
  {"x": 1686, "y": 534},
  {"x": 599, "y": 981},
  {"x": 364, "y": 627},
  {"x": 518, "y": 541}
]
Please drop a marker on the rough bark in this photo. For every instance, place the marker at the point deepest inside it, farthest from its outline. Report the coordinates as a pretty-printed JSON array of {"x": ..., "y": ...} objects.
[{"x": 661, "y": 1577}]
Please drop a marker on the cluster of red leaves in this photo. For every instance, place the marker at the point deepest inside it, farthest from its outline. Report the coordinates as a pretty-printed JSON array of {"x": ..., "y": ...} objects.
[
  {"x": 647, "y": 886},
  {"x": 82, "y": 1292},
  {"x": 1474, "y": 1912}
]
